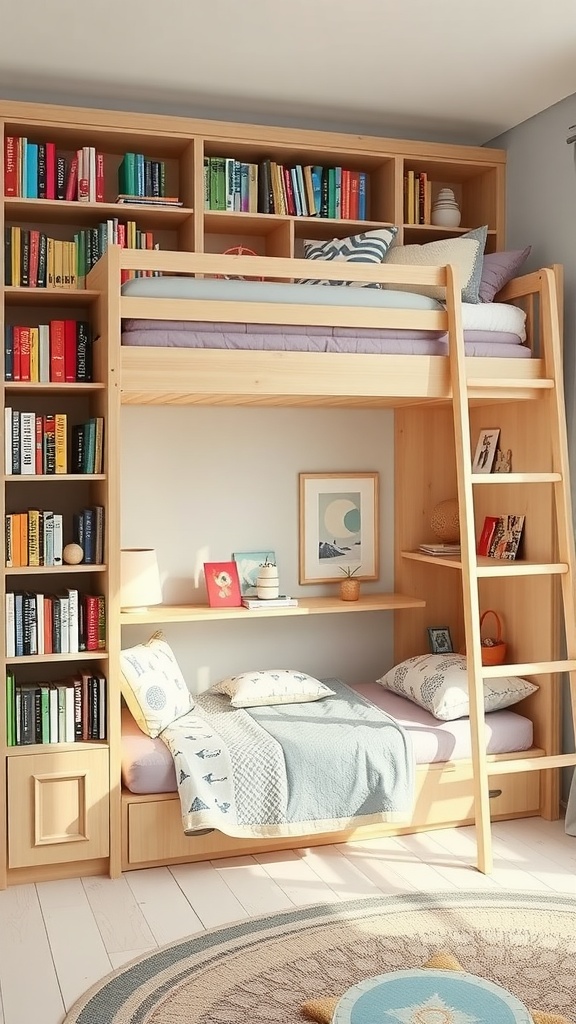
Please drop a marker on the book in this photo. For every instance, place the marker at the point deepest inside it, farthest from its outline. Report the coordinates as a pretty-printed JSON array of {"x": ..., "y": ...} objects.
[
  {"x": 485, "y": 540},
  {"x": 150, "y": 200},
  {"x": 222, "y": 584},
  {"x": 255, "y": 603},
  {"x": 440, "y": 549},
  {"x": 506, "y": 537}
]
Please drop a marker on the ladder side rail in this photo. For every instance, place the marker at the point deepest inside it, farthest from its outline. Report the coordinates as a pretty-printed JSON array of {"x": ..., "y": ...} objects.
[
  {"x": 552, "y": 353},
  {"x": 461, "y": 419}
]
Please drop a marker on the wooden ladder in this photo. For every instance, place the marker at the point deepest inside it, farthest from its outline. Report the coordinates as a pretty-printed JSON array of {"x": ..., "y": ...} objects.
[{"x": 551, "y": 391}]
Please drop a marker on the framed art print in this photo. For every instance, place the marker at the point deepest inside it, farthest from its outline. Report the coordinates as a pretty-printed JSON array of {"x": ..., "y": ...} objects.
[
  {"x": 222, "y": 584},
  {"x": 485, "y": 451},
  {"x": 338, "y": 526},
  {"x": 440, "y": 640}
]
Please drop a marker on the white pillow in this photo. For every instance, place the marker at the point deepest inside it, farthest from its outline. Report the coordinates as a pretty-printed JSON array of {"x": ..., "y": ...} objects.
[
  {"x": 439, "y": 683},
  {"x": 272, "y": 686},
  {"x": 466, "y": 252},
  {"x": 153, "y": 686}
]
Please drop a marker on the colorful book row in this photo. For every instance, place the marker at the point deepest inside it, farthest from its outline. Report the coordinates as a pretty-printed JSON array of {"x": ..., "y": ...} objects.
[
  {"x": 33, "y": 259},
  {"x": 65, "y": 623},
  {"x": 35, "y": 537},
  {"x": 417, "y": 198},
  {"x": 37, "y": 444},
  {"x": 36, "y": 170},
  {"x": 58, "y": 352},
  {"x": 138, "y": 176},
  {"x": 70, "y": 711}
]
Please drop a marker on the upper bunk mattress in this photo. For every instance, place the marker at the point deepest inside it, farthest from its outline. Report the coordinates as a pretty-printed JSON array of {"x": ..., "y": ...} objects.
[
  {"x": 490, "y": 329},
  {"x": 147, "y": 765}
]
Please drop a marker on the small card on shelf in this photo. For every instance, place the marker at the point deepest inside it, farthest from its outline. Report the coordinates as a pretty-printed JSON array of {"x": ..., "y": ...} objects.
[{"x": 222, "y": 584}]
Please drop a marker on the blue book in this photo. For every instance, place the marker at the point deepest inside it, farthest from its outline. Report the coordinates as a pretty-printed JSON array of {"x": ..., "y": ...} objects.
[
  {"x": 362, "y": 196},
  {"x": 32, "y": 170}
]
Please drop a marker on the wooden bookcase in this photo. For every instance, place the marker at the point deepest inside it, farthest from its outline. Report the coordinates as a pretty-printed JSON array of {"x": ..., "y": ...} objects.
[{"x": 62, "y": 809}]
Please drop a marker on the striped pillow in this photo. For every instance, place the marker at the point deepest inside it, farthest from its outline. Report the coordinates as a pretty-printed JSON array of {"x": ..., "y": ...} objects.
[{"x": 366, "y": 247}]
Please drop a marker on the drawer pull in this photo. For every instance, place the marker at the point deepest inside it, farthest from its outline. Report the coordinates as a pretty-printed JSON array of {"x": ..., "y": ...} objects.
[{"x": 492, "y": 793}]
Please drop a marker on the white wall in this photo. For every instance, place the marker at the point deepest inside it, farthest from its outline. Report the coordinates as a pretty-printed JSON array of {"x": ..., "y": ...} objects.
[{"x": 199, "y": 483}]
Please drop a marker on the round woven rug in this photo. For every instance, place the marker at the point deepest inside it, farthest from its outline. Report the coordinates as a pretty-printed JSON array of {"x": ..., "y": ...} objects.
[{"x": 264, "y": 969}]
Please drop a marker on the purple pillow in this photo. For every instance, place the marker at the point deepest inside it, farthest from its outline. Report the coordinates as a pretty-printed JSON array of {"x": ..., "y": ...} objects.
[{"x": 498, "y": 268}]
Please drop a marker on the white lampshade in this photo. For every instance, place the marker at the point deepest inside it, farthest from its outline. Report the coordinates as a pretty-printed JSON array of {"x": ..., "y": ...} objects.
[{"x": 139, "y": 578}]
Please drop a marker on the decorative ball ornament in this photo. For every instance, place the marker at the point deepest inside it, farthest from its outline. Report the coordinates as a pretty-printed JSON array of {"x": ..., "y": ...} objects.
[
  {"x": 445, "y": 521},
  {"x": 73, "y": 554}
]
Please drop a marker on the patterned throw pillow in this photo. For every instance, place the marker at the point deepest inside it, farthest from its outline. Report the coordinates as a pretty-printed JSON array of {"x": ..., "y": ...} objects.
[
  {"x": 272, "y": 686},
  {"x": 439, "y": 684},
  {"x": 366, "y": 247},
  {"x": 153, "y": 685},
  {"x": 466, "y": 252}
]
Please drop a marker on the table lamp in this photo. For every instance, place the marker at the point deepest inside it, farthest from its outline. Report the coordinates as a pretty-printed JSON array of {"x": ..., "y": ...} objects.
[{"x": 139, "y": 579}]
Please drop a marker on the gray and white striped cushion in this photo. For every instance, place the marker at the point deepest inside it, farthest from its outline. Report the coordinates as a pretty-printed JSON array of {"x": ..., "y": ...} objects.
[{"x": 366, "y": 247}]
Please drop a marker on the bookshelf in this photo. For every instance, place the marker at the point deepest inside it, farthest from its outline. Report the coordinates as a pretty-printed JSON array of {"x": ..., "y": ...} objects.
[{"x": 77, "y": 831}]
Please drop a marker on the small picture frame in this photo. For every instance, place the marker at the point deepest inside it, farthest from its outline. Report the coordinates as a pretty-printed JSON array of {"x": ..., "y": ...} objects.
[
  {"x": 486, "y": 450},
  {"x": 248, "y": 563},
  {"x": 440, "y": 640},
  {"x": 222, "y": 584}
]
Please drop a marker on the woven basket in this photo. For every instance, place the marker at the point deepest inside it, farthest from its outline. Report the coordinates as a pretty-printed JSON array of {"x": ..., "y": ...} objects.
[{"x": 493, "y": 647}]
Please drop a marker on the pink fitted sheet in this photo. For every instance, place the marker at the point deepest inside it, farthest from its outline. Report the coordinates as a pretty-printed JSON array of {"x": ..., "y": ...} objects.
[{"x": 147, "y": 765}]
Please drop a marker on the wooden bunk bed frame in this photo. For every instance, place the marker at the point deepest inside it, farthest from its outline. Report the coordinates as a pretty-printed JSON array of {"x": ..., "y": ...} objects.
[{"x": 519, "y": 392}]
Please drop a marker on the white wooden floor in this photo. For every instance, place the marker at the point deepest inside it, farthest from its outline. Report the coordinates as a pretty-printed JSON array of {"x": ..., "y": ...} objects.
[{"x": 58, "y": 938}]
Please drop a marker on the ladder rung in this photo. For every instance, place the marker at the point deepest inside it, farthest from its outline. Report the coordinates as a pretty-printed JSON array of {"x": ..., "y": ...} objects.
[
  {"x": 543, "y": 383},
  {"x": 531, "y": 764},
  {"x": 516, "y": 478},
  {"x": 528, "y": 668},
  {"x": 502, "y": 567}
]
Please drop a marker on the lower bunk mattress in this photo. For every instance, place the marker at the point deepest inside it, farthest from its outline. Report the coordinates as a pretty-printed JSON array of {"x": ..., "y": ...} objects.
[{"x": 148, "y": 767}]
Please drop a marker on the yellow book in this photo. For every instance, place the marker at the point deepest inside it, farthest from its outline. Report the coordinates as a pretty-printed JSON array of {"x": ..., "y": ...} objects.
[
  {"x": 60, "y": 430},
  {"x": 23, "y": 538},
  {"x": 33, "y": 536},
  {"x": 34, "y": 354},
  {"x": 410, "y": 211},
  {"x": 73, "y": 259},
  {"x": 58, "y": 264},
  {"x": 16, "y": 236}
]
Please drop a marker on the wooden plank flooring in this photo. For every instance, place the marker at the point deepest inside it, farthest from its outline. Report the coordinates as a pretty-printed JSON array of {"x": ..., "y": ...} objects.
[{"x": 76, "y": 931}]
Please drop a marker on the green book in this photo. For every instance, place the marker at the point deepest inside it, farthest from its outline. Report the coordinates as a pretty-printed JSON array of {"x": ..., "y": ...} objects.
[{"x": 10, "y": 710}]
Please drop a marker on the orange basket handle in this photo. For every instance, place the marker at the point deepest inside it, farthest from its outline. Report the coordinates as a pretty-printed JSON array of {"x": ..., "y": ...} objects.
[{"x": 490, "y": 611}]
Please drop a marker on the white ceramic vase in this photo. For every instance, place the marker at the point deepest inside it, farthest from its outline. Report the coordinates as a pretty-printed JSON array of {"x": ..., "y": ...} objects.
[
  {"x": 267, "y": 584},
  {"x": 446, "y": 212}
]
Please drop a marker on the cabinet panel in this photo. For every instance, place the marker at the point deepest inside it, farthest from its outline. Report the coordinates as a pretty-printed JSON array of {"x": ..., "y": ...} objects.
[{"x": 58, "y": 807}]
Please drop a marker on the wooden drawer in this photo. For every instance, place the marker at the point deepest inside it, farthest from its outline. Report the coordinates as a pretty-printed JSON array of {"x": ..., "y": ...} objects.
[
  {"x": 58, "y": 807},
  {"x": 152, "y": 828}
]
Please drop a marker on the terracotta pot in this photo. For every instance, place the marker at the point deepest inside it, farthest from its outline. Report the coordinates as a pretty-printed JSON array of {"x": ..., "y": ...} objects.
[{"x": 349, "y": 589}]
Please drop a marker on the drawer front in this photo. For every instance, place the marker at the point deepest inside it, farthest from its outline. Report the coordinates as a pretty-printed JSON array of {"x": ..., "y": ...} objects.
[{"x": 58, "y": 807}]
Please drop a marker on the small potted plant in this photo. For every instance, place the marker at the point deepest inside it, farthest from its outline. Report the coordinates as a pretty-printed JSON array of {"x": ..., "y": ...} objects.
[{"x": 349, "y": 587}]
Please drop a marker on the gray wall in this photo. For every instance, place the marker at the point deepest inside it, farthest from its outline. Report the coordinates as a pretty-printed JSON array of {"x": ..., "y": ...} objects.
[{"x": 541, "y": 207}]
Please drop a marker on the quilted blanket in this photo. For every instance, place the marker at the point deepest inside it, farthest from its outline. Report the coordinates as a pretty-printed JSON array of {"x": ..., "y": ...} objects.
[{"x": 290, "y": 769}]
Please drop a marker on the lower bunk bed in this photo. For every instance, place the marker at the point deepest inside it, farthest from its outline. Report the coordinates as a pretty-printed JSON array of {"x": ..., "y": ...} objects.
[{"x": 152, "y": 829}]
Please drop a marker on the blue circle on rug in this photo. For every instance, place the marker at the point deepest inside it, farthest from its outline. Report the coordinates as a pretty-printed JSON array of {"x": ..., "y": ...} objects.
[{"x": 429, "y": 996}]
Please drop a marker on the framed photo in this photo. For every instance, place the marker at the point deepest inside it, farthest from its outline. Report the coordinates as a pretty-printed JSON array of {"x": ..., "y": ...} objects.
[
  {"x": 338, "y": 526},
  {"x": 440, "y": 640},
  {"x": 485, "y": 450},
  {"x": 222, "y": 584},
  {"x": 248, "y": 563}
]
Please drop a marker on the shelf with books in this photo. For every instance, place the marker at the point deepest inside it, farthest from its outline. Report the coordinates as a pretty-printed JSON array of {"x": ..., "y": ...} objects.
[
  {"x": 477, "y": 191},
  {"x": 38, "y": 659},
  {"x": 53, "y": 478},
  {"x": 490, "y": 567},
  {"x": 44, "y": 748},
  {"x": 78, "y": 297},
  {"x": 56, "y": 570}
]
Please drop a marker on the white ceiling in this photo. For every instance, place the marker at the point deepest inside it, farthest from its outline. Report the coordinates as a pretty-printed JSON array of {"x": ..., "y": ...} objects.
[{"x": 457, "y": 69}]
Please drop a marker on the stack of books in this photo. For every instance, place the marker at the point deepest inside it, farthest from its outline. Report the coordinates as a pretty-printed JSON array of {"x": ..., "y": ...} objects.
[
  {"x": 440, "y": 549},
  {"x": 255, "y": 603}
]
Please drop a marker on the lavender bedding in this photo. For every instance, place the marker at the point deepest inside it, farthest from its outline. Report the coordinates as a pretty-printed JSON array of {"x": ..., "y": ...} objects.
[
  {"x": 148, "y": 767},
  {"x": 284, "y": 338}
]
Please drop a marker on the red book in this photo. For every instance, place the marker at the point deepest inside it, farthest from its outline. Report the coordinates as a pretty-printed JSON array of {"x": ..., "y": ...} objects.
[
  {"x": 24, "y": 353},
  {"x": 48, "y": 625},
  {"x": 83, "y": 174},
  {"x": 486, "y": 535},
  {"x": 10, "y": 166},
  {"x": 34, "y": 258},
  {"x": 290, "y": 204},
  {"x": 99, "y": 177},
  {"x": 222, "y": 584},
  {"x": 354, "y": 183},
  {"x": 57, "y": 350},
  {"x": 50, "y": 170},
  {"x": 91, "y": 621},
  {"x": 72, "y": 183},
  {"x": 70, "y": 370}
]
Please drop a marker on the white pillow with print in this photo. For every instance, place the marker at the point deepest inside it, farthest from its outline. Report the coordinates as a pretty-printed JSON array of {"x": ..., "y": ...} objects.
[
  {"x": 439, "y": 684},
  {"x": 271, "y": 686},
  {"x": 153, "y": 686}
]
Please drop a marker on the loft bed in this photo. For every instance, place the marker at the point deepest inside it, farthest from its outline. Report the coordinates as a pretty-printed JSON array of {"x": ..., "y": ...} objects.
[{"x": 151, "y": 825}]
